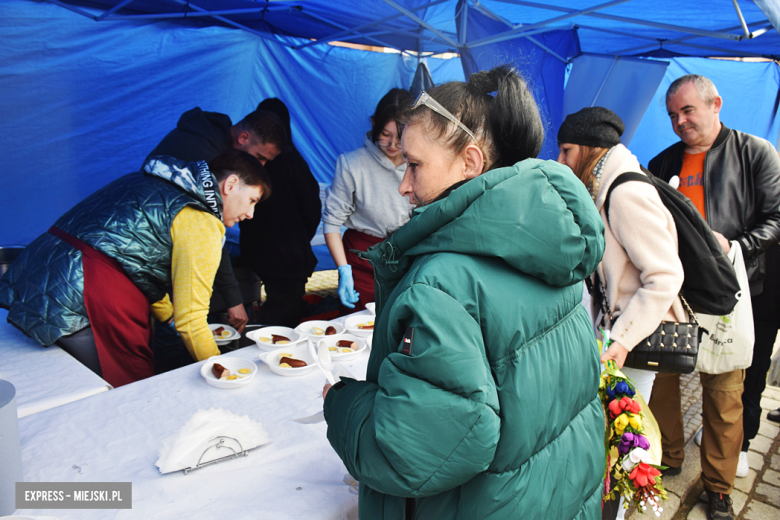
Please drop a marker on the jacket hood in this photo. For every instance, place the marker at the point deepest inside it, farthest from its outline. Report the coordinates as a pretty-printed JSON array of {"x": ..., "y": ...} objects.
[
  {"x": 194, "y": 178},
  {"x": 536, "y": 216},
  {"x": 208, "y": 125},
  {"x": 379, "y": 155}
]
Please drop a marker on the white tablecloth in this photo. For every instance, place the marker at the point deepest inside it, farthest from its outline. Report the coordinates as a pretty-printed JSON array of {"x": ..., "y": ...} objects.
[
  {"x": 44, "y": 377},
  {"x": 116, "y": 436}
]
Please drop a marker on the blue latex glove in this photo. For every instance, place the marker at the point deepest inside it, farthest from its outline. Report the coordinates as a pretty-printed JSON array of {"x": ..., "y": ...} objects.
[{"x": 346, "y": 290}]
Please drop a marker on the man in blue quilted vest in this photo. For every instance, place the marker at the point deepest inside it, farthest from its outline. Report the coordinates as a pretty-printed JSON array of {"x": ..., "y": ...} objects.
[{"x": 89, "y": 282}]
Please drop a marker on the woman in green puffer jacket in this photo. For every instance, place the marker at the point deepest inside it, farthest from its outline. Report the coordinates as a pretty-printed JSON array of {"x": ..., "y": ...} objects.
[{"x": 480, "y": 399}]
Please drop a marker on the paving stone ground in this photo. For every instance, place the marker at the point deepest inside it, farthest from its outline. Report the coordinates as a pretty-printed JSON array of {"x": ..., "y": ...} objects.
[{"x": 755, "y": 497}]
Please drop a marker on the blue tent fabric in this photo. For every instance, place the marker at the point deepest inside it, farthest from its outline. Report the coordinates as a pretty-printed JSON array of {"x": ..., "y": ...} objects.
[
  {"x": 422, "y": 80},
  {"x": 624, "y": 85},
  {"x": 757, "y": 113},
  {"x": 631, "y": 27},
  {"x": 771, "y": 8},
  {"x": 85, "y": 102},
  {"x": 543, "y": 72}
]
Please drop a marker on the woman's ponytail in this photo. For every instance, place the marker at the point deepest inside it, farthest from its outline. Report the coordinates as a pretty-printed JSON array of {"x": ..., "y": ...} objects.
[
  {"x": 518, "y": 132},
  {"x": 507, "y": 124}
]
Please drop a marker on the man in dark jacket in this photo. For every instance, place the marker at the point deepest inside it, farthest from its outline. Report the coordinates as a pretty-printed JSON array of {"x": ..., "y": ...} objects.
[
  {"x": 733, "y": 178},
  {"x": 276, "y": 244},
  {"x": 201, "y": 136}
]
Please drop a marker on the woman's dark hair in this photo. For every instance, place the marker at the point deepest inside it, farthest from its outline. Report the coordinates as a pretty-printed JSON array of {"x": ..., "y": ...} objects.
[
  {"x": 243, "y": 165},
  {"x": 508, "y": 126},
  {"x": 389, "y": 109},
  {"x": 276, "y": 106}
]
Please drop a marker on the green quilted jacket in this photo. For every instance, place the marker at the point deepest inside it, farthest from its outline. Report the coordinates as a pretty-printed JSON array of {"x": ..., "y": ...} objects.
[{"x": 481, "y": 394}]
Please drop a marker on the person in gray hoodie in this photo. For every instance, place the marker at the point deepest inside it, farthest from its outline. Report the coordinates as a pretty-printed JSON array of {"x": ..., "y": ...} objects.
[{"x": 364, "y": 197}]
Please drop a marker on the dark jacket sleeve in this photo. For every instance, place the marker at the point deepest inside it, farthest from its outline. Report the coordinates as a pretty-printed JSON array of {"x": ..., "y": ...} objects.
[
  {"x": 765, "y": 167},
  {"x": 655, "y": 164},
  {"x": 664, "y": 164},
  {"x": 225, "y": 281}
]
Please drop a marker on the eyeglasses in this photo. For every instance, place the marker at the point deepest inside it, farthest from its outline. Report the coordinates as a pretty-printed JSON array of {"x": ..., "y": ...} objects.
[
  {"x": 428, "y": 101},
  {"x": 385, "y": 142}
]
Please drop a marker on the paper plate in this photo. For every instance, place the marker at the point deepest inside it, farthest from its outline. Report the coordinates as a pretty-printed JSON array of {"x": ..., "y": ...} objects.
[
  {"x": 299, "y": 351},
  {"x": 352, "y": 324},
  {"x": 339, "y": 354},
  {"x": 231, "y": 363},
  {"x": 315, "y": 329},
  {"x": 224, "y": 340},
  {"x": 266, "y": 333}
]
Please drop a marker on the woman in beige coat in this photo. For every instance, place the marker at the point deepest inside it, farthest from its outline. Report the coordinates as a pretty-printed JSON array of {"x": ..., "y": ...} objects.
[{"x": 641, "y": 272}]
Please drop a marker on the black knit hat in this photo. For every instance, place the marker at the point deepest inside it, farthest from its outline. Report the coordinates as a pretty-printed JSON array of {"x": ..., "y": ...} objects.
[{"x": 598, "y": 127}]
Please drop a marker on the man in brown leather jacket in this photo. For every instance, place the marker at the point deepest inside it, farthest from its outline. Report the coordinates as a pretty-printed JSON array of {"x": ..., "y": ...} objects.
[{"x": 733, "y": 178}]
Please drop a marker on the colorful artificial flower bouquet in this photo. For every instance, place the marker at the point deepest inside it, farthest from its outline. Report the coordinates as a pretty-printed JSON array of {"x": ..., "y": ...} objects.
[{"x": 633, "y": 476}]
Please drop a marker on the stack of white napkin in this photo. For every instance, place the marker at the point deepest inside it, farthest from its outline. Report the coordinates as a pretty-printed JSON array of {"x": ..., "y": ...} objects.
[{"x": 184, "y": 449}]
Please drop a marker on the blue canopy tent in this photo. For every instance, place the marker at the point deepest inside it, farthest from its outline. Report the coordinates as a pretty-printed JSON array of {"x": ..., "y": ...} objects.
[{"x": 89, "y": 87}]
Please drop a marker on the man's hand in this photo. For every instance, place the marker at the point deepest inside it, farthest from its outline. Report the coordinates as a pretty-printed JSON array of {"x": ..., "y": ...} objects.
[
  {"x": 325, "y": 389},
  {"x": 237, "y": 317},
  {"x": 723, "y": 241},
  {"x": 615, "y": 352}
]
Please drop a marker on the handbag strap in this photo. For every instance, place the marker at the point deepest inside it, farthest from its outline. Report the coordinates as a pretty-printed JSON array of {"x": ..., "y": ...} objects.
[
  {"x": 688, "y": 310},
  {"x": 607, "y": 309}
]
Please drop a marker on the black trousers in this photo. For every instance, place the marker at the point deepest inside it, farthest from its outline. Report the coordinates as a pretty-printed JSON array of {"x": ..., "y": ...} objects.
[
  {"x": 169, "y": 350},
  {"x": 766, "y": 322},
  {"x": 81, "y": 345},
  {"x": 284, "y": 304}
]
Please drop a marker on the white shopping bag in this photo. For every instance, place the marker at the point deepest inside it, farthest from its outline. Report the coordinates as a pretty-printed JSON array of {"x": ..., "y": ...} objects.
[{"x": 729, "y": 344}]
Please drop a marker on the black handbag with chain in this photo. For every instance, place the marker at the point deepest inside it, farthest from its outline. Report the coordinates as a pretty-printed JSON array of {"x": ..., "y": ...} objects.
[{"x": 672, "y": 348}]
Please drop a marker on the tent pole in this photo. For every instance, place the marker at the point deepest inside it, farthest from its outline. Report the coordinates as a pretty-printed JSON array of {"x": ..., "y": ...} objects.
[
  {"x": 422, "y": 22},
  {"x": 338, "y": 35},
  {"x": 604, "y": 81},
  {"x": 763, "y": 27},
  {"x": 189, "y": 14},
  {"x": 635, "y": 21},
  {"x": 683, "y": 41},
  {"x": 419, "y": 45},
  {"x": 114, "y": 9},
  {"x": 571, "y": 13},
  {"x": 488, "y": 12},
  {"x": 748, "y": 34},
  {"x": 71, "y": 8},
  {"x": 338, "y": 25},
  {"x": 463, "y": 22},
  {"x": 231, "y": 22}
]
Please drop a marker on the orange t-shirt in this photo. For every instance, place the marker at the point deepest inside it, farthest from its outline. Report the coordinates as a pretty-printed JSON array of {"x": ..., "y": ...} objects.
[{"x": 692, "y": 179}]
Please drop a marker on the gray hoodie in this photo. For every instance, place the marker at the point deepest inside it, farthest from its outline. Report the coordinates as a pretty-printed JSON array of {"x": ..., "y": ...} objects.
[{"x": 364, "y": 194}]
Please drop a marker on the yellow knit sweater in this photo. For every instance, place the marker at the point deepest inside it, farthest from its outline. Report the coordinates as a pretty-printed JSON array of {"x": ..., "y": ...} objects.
[{"x": 197, "y": 250}]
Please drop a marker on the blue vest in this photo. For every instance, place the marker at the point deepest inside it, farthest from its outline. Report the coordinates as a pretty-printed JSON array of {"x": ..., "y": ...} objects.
[{"x": 129, "y": 220}]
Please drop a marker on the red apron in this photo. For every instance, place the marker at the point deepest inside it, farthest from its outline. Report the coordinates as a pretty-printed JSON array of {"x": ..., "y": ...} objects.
[
  {"x": 362, "y": 272},
  {"x": 118, "y": 313}
]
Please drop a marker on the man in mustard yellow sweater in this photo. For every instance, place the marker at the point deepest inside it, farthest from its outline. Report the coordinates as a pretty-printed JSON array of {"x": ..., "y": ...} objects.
[{"x": 88, "y": 283}]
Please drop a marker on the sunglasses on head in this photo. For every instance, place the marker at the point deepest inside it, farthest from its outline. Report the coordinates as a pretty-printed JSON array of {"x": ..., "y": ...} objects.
[{"x": 428, "y": 101}]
